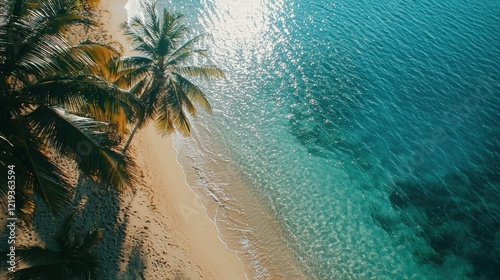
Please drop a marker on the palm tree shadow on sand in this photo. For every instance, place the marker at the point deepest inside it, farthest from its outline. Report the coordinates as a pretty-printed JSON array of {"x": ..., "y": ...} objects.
[{"x": 106, "y": 208}]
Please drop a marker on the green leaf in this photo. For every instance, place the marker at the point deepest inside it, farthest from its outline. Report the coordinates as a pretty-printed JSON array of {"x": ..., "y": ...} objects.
[
  {"x": 205, "y": 71},
  {"x": 37, "y": 174},
  {"x": 193, "y": 92},
  {"x": 160, "y": 70},
  {"x": 99, "y": 163},
  {"x": 76, "y": 94}
]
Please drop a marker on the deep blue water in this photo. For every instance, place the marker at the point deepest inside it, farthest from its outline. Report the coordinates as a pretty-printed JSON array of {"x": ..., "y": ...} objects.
[{"x": 372, "y": 128}]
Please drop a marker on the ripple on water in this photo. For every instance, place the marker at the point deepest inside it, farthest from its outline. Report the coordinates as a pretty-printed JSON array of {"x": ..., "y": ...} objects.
[{"x": 369, "y": 132}]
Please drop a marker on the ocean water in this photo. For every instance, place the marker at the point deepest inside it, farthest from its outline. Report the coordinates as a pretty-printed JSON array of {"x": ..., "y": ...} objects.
[{"x": 352, "y": 139}]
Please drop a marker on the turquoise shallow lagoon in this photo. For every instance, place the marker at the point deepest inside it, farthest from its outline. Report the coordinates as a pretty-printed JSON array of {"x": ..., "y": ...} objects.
[{"x": 370, "y": 129}]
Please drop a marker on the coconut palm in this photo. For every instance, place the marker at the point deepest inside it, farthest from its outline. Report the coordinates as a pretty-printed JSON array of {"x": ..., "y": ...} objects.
[
  {"x": 70, "y": 256},
  {"x": 161, "y": 70},
  {"x": 52, "y": 99}
]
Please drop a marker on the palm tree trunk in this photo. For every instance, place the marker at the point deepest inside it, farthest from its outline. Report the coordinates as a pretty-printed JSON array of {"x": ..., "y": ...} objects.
[{"x": 130, "y": 138}]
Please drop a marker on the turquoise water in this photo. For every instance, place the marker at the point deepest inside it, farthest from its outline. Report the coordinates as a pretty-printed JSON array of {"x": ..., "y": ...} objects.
[{"x": 370, "y": 128}]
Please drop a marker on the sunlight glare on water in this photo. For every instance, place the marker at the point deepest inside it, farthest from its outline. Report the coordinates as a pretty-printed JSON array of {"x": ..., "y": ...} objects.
[{"x": 352, "y": 140}]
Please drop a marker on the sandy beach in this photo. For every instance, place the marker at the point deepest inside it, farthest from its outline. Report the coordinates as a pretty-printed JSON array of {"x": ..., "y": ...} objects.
[
  {"x": 278, "y": 140},
  {"x": 194, "y": 249},
  {"x": 158, "y": 229},
  {"x": 193, "y": 243}
]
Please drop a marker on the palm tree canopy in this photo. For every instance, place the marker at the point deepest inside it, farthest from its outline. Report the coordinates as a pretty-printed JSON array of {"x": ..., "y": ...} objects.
[
  {"x": 162, "y": 69},
  {"x": 44, "y": 82}
]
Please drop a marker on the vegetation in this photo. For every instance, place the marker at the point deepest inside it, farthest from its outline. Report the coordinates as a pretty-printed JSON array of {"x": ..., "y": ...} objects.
[
  {"x": 72, "y": 256},
  {"x": 160, "y": 70},
  {"x": 45, "y": 83},
  {"x": 66, "y": 100}
]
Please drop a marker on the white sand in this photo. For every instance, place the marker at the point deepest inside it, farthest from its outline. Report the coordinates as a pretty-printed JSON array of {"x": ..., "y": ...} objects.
[
  {"x": 161, "y": 231},
  {"x": 194, "y": 245},
  {"x": 199, "y": 252}
]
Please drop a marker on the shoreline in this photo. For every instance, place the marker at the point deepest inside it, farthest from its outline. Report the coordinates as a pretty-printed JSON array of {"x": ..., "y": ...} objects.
[
  {"x": 246, "y": 221},
  {"x": 172, "y": 197},
  {"x": 166, "y": 226},
  {"x": 269, "y": 259},
  {"x": 206, "y": 256}
]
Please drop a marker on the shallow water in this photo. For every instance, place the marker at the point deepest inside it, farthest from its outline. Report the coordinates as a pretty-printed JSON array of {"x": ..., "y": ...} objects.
[{"x": 367, "y": 134}]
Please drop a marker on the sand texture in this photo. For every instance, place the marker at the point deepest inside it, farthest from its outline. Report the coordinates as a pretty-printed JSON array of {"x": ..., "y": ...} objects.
[{"x": 158, "y": 229}]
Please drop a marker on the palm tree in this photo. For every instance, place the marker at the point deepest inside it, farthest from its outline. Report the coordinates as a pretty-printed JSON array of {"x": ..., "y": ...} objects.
[
  {"x": 160, "y": 71},
  {"x": 45, "y": 82},
  {"x": 71, "y": 256}
]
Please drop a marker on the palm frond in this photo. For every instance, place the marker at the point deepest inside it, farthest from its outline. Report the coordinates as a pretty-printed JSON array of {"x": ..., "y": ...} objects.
[
  {"x": 178, "y": 59},
  {"x": 163, "y": 122},
  {"x": 153, "y": 91},
  {"x": 49, "y": 181},
  {"x": 167, "y": 95},
  {"x": 37, "y": 39},
  {"x": 41, "y": 70},
  {"x": 193, "y": 92},
  {"x": 204, "y": 71},
  {"x": 38, "y": 175},
  {"x": 41, "y": 56},
  {"x": 101, "y": 164},
  {"x": 56, "y": 16},
  {"x": 182, "y": 97},
  {"x": 129, "y": 62},
  {"x": 15, "y": 8},
  {"x": 172, "y": 26},
  {"x": 127, "y": 71},
  {"x": 185, "y": 50},
  {"x": 174, "y": 101},
  {"x": 8, "y": 133},
  {"x": 139, "y": 87},
  {"x": 135, "y": 31},
  {"x": 151, "y": 26},
  {"x": 12, "y": 154},
  {"x": 95, "y": 56},
  {"x": 76, "y": 94}
]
